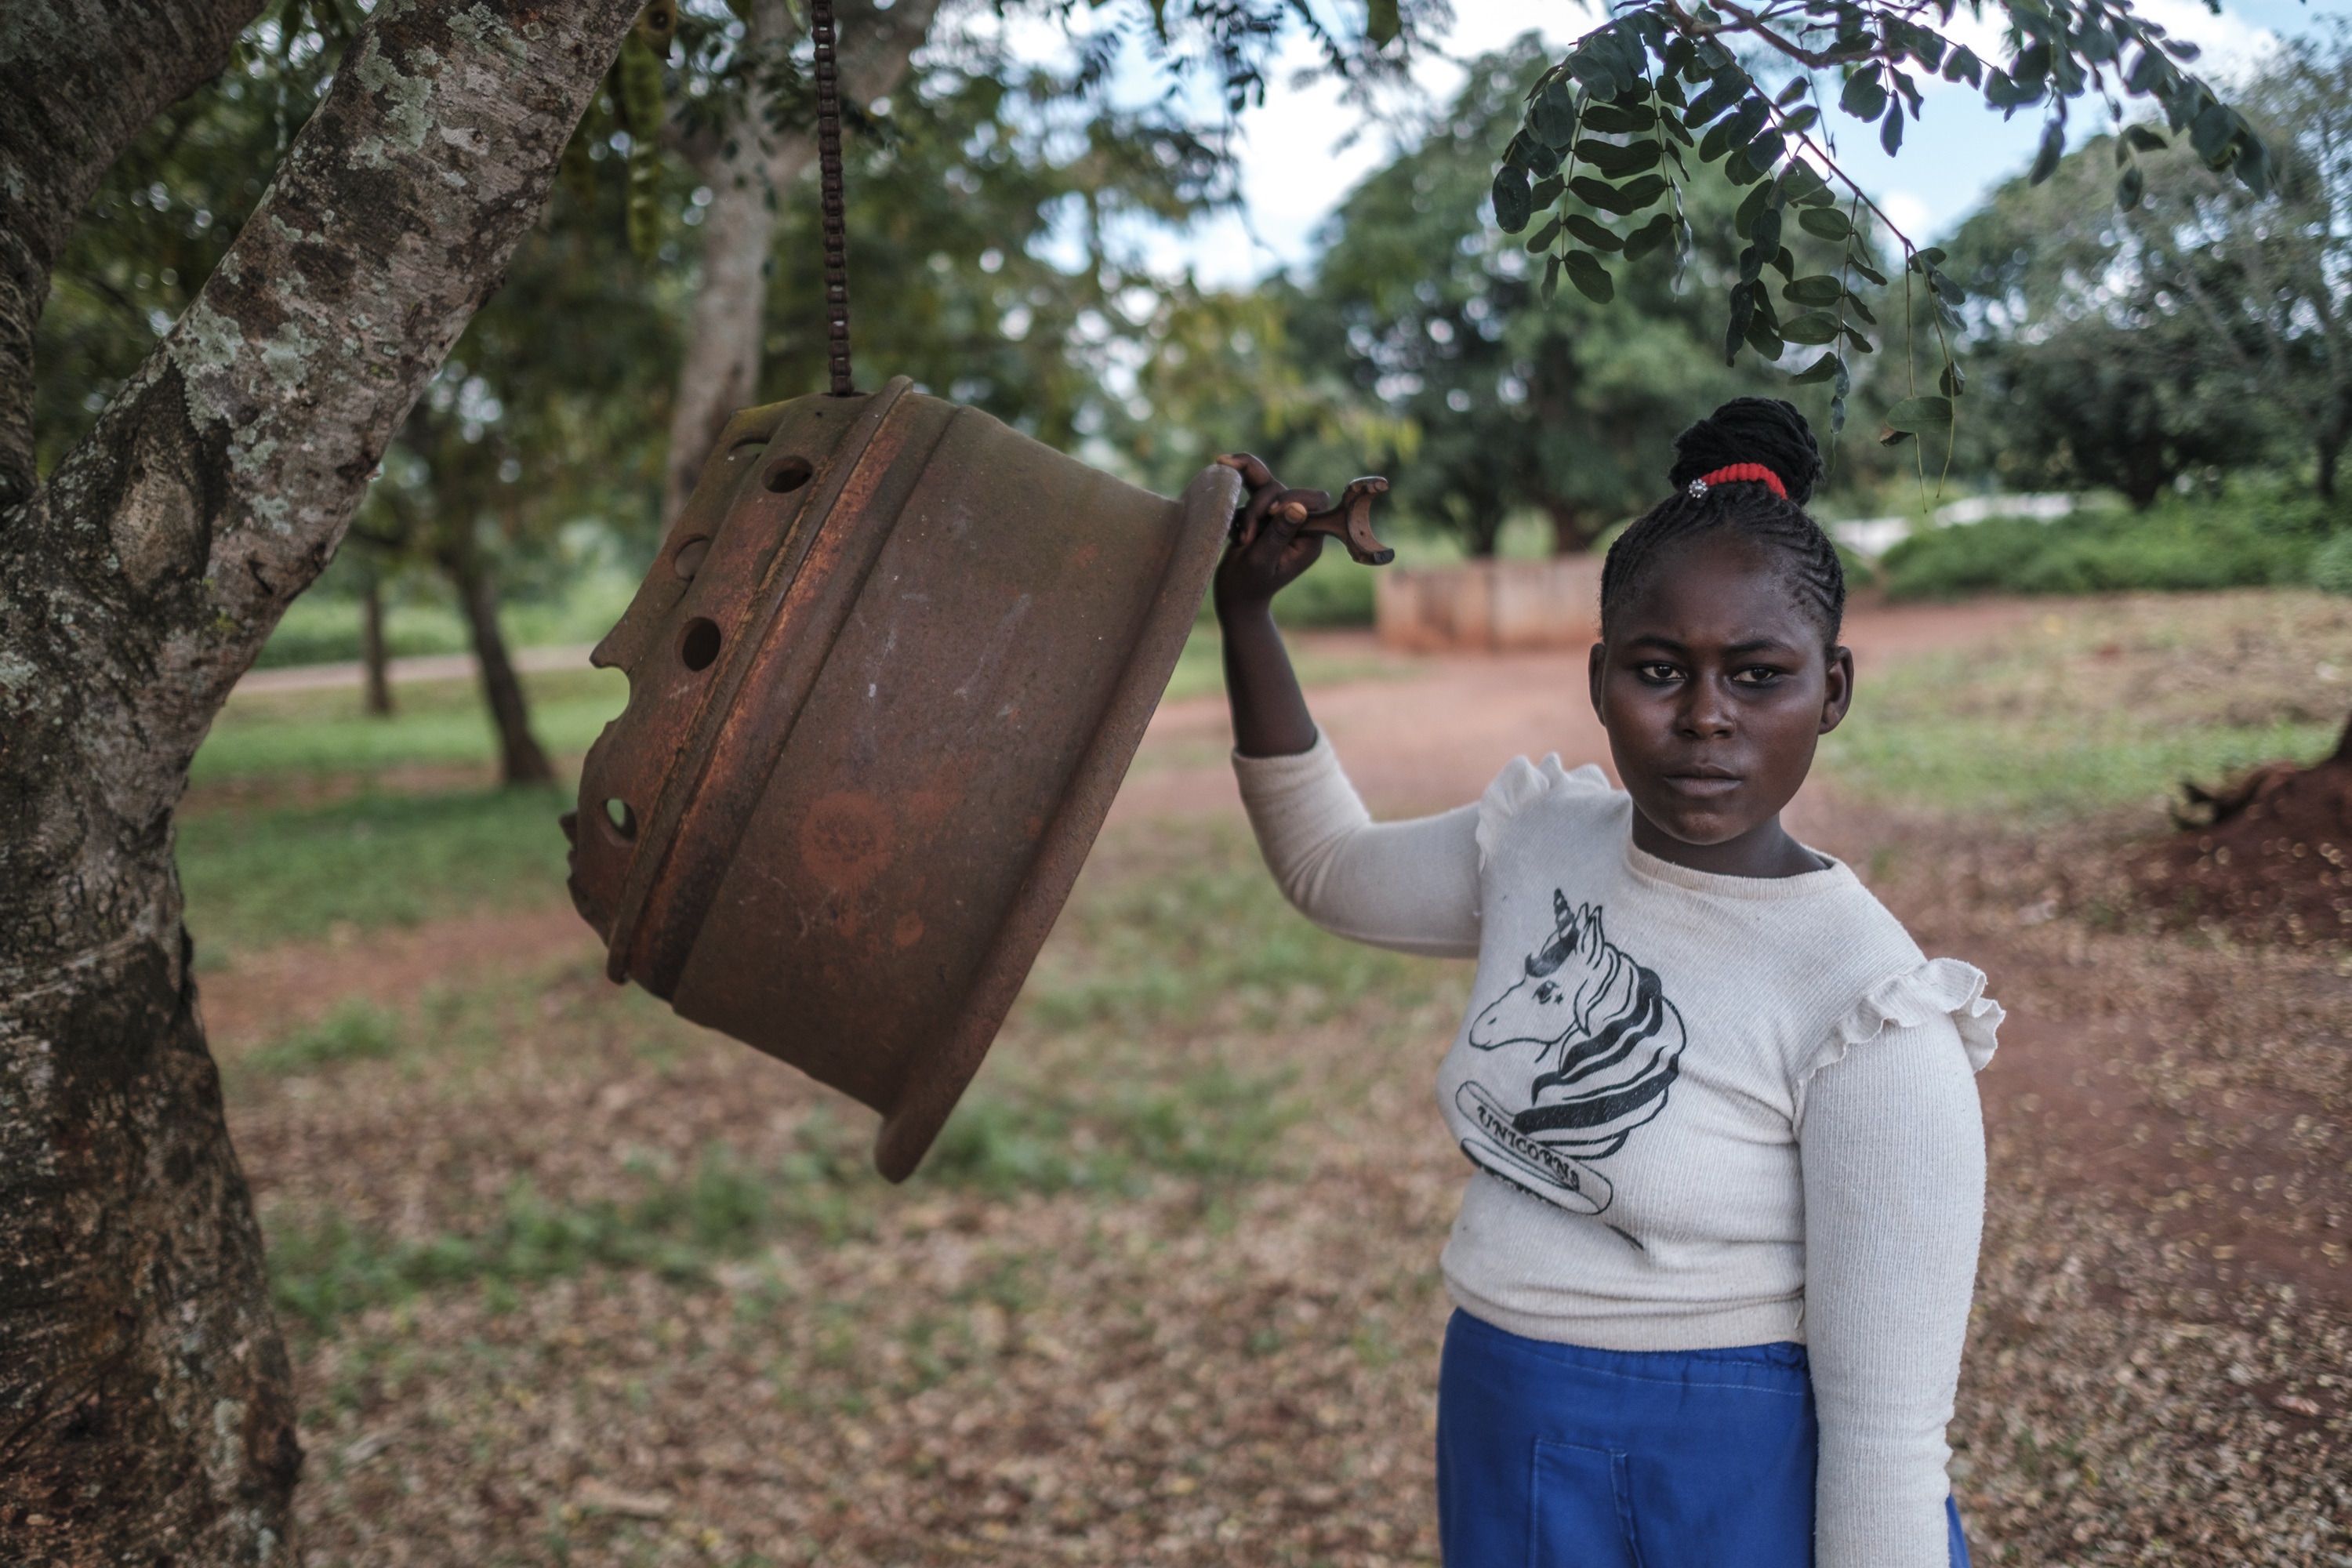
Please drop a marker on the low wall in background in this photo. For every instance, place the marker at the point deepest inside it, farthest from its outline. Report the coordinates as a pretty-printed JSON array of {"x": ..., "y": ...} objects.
[{"x": 1490, "y": 606}]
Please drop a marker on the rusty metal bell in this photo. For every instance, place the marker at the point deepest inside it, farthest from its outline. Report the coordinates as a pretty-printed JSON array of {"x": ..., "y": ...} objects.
[{"x": 884, "y": 680}]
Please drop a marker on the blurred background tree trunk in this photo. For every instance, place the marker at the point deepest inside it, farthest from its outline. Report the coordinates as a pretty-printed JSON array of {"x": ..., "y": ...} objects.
[
  {"x": 750, "y": 165},
  {"x": 521, "y": 760},
  {"x": 373, "y": 658}
]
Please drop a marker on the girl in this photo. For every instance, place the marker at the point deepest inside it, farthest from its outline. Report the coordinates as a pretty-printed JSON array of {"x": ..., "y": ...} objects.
[{"x": 1713, "y": 1264}]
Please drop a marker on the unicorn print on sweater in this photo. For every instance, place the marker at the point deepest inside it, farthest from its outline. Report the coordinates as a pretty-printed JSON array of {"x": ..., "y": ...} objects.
[{"x": 1586, "y": 1049}]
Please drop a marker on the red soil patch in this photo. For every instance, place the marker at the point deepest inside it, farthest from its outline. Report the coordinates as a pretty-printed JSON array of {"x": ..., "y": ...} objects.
[{"x": 2277, "y": 868}]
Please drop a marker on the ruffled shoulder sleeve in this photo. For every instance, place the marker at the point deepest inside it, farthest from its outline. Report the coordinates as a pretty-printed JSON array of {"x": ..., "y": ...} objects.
[
  {"x": 1941, "y": 987},
  {"x": 1521, "y": 783}
]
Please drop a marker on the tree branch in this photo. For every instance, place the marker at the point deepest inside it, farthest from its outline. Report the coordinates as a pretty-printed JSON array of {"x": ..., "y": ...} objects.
[{"x": 77, "y": 84}]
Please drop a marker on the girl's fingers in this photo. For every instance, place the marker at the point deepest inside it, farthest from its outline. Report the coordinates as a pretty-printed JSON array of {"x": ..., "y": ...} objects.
[{"x": 1253, "y": 472}]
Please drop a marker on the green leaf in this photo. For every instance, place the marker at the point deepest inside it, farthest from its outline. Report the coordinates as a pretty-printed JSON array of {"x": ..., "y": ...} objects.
[
  {"x": 1790, "y": 93},
  {"x": 1867, "y": 269},
  {"x": 1823, "y": 223},
  {"x": 1890, "y": 130},
  {"x": 1618, "y": 161},
  {"x": 1743, "y": 311},
  {"x": 2141, "y": 138},
  {"x": 1711, "y": 145},
  {"x": 1763, "y": 339},
  {"x": 1821, "y": 369},
  {"x": 1918, "y": 415},
  {"x": 1800, "y": 183},
  {"x": 1865, "y": 96},
  {"x": 1857, "y": 342},
  {"x": 1550, "y": 284},
  {"x": 1765, "y": 152},
  {"x": 1820, "y": 289},
  {"x": 1551, "y": 113},
  {"x": 1854, "y": 307},
  {"x": 1544, "y": 236},
  {"x": 1649, "y": 237},
  {"x": 1623, "y": 200},
  {"x": 1611, "y": 119},
  {"x": 1547, "y": 192},
  {"x": 1960, "y": 65},
  {"x": 1720, "y": 94},
  {"x": 2212, "y": 132},
  {"x": 1784, "y": 263},
  {"x": 1893, "y": 437},
  {"x": 2053, "y": 147},
  {"x": 1512, "y": 206},
  {"x": 2253, "y": 166},
  {"x": 1592, "y": 278},
  {"x": 1954, "y": 381},
  {"x": 1765, "y": 230},
  {"x": 1591, "y": 233},
  {"x": 1813, "y": 327},
  {"x": 1381, "y": 23},
  {"x": 1743, "y": 222}
]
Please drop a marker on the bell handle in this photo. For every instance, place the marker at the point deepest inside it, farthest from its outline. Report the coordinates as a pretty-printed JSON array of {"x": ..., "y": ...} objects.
[{"x": 1348, "y": 521}]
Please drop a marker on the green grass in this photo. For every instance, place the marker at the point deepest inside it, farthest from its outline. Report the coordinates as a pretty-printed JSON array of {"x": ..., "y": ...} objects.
[
  {"x": 325, "y": 629},
  {"x": 2110, "y": 706},
  {"x": 327, "y": 1268},
  {"x": 1200, "y": 671},
  {"x": 355, "y": 1030},
  {"x": 258, "y": 877},
  {"x": 434, "y": 723}
]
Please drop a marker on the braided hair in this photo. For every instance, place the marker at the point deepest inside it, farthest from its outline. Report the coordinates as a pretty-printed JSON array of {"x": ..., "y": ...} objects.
[{"x": 1764, "y": 431}]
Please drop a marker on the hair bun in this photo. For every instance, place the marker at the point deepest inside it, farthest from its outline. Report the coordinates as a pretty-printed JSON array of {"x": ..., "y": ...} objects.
[{"x": 1766, "y": 430}]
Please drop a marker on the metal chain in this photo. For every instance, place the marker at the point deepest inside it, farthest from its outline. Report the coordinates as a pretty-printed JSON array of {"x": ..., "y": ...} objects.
[{"x": 828, "y": 156}]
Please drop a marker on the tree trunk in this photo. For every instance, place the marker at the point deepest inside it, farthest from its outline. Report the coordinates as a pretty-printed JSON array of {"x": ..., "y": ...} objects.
[
  {"x": 751, "y": 168},
  {"x": 521, "y": 760},
  {"x": 1570, "y": 533},
  {"x": 372, "y": 654},
  {"x": 146, "y": 1411}
]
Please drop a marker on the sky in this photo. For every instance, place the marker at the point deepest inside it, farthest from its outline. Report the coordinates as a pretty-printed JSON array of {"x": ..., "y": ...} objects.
[{"x": 1303, "y": 150}]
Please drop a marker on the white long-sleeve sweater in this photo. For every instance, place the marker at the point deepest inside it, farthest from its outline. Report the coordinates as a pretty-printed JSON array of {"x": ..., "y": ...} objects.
[{"x": 1703, "y": 1110}]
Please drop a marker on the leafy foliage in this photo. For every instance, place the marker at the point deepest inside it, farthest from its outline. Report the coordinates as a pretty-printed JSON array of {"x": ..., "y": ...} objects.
[
  {"x": 2247, "y": 536},
  {"x": 1438, "y": 317},
  {"x": 1640, "y": 106}
]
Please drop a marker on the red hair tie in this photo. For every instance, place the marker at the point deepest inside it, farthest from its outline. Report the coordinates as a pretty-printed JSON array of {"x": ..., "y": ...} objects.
[{"x": 1755, "y": 472}]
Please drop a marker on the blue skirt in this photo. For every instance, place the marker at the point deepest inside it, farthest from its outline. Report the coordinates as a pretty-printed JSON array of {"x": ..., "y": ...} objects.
[{"x": 1554, "y": 1456}]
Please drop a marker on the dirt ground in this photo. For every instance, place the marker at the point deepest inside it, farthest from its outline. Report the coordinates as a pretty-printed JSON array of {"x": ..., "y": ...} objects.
[{"x": 1239, "y": 1371}]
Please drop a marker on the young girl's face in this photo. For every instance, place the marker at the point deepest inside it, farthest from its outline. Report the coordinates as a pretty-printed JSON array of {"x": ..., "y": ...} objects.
[{"x": 1715, "y": 687}]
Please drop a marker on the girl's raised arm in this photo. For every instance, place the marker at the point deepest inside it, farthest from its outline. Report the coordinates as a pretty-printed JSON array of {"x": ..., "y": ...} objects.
[
  {"x": 1270, "y": 717},
  {"x": 1414, "y": 885}
]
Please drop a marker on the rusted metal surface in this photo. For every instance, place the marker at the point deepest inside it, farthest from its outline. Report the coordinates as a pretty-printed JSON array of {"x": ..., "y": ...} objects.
[{"x": 884, "y": 680}]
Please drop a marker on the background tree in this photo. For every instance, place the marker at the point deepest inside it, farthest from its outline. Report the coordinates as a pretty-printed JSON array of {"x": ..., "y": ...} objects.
[
  {"x": 2268, "y": 275},
  {"x": 1563, "y": 405},
  {"x": 2092, "y": 367}
]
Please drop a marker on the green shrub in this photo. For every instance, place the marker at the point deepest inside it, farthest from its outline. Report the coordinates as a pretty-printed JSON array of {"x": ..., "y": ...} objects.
[
  {"x": 1336, "y": 593},
  {"x": 2245, "y": 539},
  {"x": 2331, "y": 564}
]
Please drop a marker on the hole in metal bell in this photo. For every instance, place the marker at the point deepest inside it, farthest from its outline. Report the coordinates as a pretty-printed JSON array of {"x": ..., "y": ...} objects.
[
  {"x": 790, "y": 474},
  {"x": 623, "y": 820},
  {"x": 687, "y": 558},
  {"x": 698, "y": 646}
]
